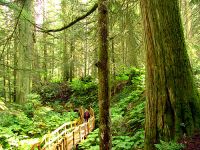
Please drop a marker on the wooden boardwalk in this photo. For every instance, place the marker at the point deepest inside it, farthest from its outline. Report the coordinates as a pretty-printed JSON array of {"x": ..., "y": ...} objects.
[{"x": 68, "y": 135}]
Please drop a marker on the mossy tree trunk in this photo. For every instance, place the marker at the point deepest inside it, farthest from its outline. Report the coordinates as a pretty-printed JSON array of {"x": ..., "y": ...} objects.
[
  {"x": 65, "y": 58},
  {"x": 72, "y": 49},
  {"x": 65, "y": 44},
  {"x": 172, "y": 99},
  {"x": 45, "y": 64},
  {"x": 103, "y": 74},
  {"x": 24, "y": 49}
]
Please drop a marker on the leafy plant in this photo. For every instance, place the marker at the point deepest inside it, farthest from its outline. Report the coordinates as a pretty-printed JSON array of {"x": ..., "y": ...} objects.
[
  {"x": 122, "y": 143},
  {"x": 169, "y": 145},
  {"x": 84, "y": 92},
  {"x": 92, "y": 141},
  {"x": 53, "y": 91}
]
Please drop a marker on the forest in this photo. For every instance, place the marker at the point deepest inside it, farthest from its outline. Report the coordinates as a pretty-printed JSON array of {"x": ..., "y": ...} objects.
[{"x": 132, "y": 65}]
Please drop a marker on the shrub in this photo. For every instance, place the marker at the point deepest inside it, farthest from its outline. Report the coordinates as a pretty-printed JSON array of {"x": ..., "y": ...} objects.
[
  {"x": 92, "y": 141},
  {"x": 172, "y": 145},
  {"x": 52, "y": 91},
  {"x": 84, "y": 93}
]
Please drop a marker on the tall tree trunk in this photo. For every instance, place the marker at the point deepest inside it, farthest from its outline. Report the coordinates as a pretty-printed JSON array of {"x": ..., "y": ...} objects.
[
  {"x": 71, "y": 69},
  {"x": 95, "y": 59},
  {"x": 103, "y": 74},
  {"x": 172, "y": 99},
  {"x": 52, "y": 63},
  {"x": 113, "y": 59},
  {"x": 8, "y": 56},
  {"x": 45, "y": 51},
  {"x": 15, "y": 71},
  {"x": 4, "y": 78},
  {"x": 131, "y": 44},
  {"x": 36, "y": 78},
  {"x": 123, "y": 49},
  {"x": 65, "y": 50},
  {"x": 45, "y": 60},
  {"x": 86, "y": 65},
  {"x": 25, "y": 30},
  {"x": 65, "y": 58}
]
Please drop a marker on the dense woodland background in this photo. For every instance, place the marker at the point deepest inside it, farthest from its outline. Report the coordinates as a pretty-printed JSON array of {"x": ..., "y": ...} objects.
[{"x": 45, "y": 73}]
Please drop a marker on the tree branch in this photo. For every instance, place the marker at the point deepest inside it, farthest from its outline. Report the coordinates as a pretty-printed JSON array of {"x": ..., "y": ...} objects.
[
  {"x": 11, "y": 35},
  {"x": 73, "y": 22}
]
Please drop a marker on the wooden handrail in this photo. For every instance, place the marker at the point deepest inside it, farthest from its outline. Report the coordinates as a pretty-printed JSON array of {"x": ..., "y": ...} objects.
[{"x": 67, "y": 135}]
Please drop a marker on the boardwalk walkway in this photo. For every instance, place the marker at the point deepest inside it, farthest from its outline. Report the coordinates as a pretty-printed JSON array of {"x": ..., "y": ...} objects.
[{"x": 68, "y": 135}]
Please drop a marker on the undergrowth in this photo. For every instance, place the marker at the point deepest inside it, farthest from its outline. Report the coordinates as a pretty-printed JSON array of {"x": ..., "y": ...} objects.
[
  {"x": 29, "y": 121},
  {"x": 127, "y": 114}
]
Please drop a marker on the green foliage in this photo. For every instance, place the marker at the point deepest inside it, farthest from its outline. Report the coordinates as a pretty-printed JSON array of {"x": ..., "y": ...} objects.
[
  {"x": 122, "y": 143},
  {"x": 83, "y": 86},
  {"x": 53, "y": 91},
  {"x": 122, "y": 77},
  {"x": 92, "y": 141},
  {"x": 84, "y": 92},
  {"x": 195, "y": 1},
  {"x": 128, "y": 115},
  {"x": 138, "y": 139},
  {"x": 30, "y": 120},
  {"x": 169, "y": 145},
  {"x": 86, "y": 79},
  {"x": 118, "y": 142},
  {"x": 129, "y": 74},
  {"x": 137, "y": 116}
]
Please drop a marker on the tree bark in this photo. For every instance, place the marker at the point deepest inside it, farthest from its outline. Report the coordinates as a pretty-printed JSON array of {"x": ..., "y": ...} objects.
[
  {"x": 103, "y": 74},
  {"x": 25, "y": 48},
  {"x": 172, "y": 99},
  {"x": 45, "y": 51},
  {"x": 86, "y": 64},
  {"x": 65, "y": 49},
  {"x": 65, "y": 58},
  {"x": 71, "y": 69}
]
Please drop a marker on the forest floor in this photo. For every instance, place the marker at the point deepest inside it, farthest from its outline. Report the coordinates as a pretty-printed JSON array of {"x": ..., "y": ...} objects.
[{"x": 192, "y": 143}]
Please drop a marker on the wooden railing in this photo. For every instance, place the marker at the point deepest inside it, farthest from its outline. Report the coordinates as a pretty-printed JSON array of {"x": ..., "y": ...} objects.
[{"x": 66, "y": 136}]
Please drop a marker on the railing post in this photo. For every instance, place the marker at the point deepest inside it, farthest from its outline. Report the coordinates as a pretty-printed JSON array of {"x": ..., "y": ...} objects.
[
  {"x": 73, "y": 139},
  {"x": 39, "y": 147},
  {"x": 84, "y": 130},
  {"x": 62, "y": 144},
  {"x": 88, "y": 128},
  {"x": 66, "y": 144},
  {"x": 80, "y": 138}
]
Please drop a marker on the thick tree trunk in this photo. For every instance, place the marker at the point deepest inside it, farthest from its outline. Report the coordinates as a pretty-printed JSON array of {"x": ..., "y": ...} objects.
[
  {"x": 24, "y": 50},
  {"x": 172, "y": 99},
  {"x": 103, "y": 74}
]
